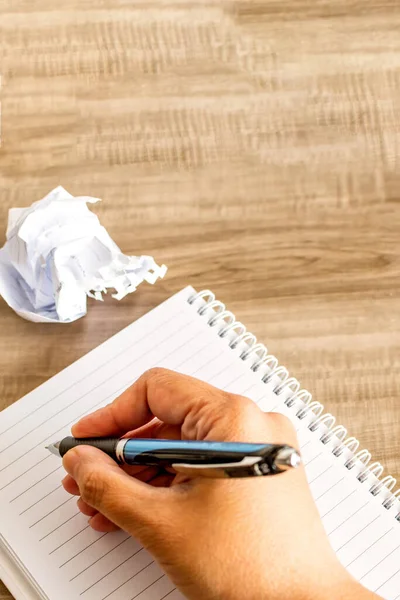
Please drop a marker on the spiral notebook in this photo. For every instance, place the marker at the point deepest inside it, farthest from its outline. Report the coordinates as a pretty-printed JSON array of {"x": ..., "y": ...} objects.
[{"x": 47, "y": 549}]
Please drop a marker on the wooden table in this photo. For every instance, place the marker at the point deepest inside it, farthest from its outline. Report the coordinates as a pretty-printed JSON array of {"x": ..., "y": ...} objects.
[{"x": 251, "y": 146}]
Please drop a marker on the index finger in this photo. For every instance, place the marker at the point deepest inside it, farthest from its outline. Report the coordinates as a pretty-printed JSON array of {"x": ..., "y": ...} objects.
[{"x": 160, "y": 393}]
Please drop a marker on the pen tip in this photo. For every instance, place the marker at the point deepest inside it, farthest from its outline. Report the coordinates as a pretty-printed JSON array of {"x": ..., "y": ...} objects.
[{"x": 54, "y": 448}]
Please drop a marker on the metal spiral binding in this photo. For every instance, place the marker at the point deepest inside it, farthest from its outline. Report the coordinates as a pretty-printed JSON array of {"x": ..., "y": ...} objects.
[{"x": 268, "y": 366}]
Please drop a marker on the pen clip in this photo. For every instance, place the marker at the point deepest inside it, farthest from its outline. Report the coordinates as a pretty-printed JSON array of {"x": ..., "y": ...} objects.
[{"x": 249, "y": 466}]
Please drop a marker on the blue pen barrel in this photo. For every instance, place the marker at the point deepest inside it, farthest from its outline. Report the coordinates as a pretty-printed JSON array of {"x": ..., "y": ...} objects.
[{"x": 167, "y": 452}]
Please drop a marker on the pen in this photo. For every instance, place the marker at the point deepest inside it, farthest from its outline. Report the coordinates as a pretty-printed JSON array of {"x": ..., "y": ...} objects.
[{"x": 194, "y": 458}]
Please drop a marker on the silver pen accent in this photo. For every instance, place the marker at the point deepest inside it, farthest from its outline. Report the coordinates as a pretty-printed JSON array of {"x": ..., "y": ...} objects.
[{"x": 287, "y": 458}]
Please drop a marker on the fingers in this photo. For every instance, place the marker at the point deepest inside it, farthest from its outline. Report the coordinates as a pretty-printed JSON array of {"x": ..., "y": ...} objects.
[
  {"x": 105, "y": 488},
  {"x": 97, "y": 521},
  {"x": 161, "y": 393},
  {"x": 70, "y": 485},
  {"x": 145, "y": 474},
  {"x": 150, "y": 475},
  {"x": 100, "y": 523},
  {"x": 163, "y": 480},
  {"x": 85, "y": 509}
]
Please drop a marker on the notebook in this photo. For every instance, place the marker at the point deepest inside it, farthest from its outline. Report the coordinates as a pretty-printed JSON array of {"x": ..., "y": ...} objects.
[{"x": 48, "y": 551}]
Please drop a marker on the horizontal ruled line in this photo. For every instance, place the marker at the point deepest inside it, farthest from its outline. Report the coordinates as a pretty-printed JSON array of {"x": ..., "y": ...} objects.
[
  {"x": 348, "y": 518},
  {"x": 69, "y": 539},
  {"x": 312, "y": 459},
  {"x": 338, "y": 504},
  {"x": 330, "y": 488},
  {"x": 130, "y": 579},
  {"x": 379, "y": 563},
  {"x": 25, "y": 472},
  {"x": 34, "y": 484},
  {"x": 387, "y": 581},
  {"x": 369, "y": 547},
  {"x": 320, "y": 474},
  {"x": 40, "y": 500},
  {"x": 169, "y": 593},
  {"x": 59, "y": 526},
  {"x": 49, "y": 513},
  {"x": 99, "y": 559},
  {"x": 83, "y": 549},
  {"x": 146, "y": 588},
  {"x": 112, "y": 571}
]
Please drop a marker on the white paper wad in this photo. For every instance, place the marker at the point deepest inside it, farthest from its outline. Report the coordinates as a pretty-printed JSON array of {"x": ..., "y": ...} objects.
[{"x": 57, "y": 254}]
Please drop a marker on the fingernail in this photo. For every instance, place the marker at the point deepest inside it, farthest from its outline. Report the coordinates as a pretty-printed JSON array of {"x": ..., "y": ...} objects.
[{"x": 71, "y": 461}]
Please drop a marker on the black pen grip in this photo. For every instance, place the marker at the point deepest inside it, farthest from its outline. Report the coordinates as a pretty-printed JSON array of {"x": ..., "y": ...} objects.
[{"x": 107, "y": 445}]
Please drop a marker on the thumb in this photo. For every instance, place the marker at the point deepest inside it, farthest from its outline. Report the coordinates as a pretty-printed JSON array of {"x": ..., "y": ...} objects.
[{"x": 132, "y": 505}]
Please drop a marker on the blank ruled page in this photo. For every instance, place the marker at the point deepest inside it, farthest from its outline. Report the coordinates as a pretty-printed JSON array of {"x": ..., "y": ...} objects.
[{"x": 40, "y": 523}]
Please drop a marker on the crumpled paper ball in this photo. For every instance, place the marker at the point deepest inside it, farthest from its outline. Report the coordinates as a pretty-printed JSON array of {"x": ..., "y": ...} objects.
[{"x": 57, "y": 254}]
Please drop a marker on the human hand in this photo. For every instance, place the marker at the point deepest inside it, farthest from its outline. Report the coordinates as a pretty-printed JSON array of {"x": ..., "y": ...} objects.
[{"x": 233, "y": 539}]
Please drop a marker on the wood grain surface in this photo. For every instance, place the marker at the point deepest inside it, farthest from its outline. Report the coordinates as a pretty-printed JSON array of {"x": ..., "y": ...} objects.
[{"x": 252, "y": 146}]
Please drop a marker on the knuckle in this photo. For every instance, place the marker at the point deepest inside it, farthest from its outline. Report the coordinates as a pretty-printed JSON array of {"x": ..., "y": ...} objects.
[
  {"x": 247, "y": 420},
  {"x": 246, "y": 417},
  {"x": 202, "y": 417},
  {"x": 242, "y": 405},
  {"x": 224, "y": 415},
  {"x": 243, "y": 409}
]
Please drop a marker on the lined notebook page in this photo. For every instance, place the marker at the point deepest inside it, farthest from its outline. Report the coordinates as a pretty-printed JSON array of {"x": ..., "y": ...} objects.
[{"x": 40, "y": 522}]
